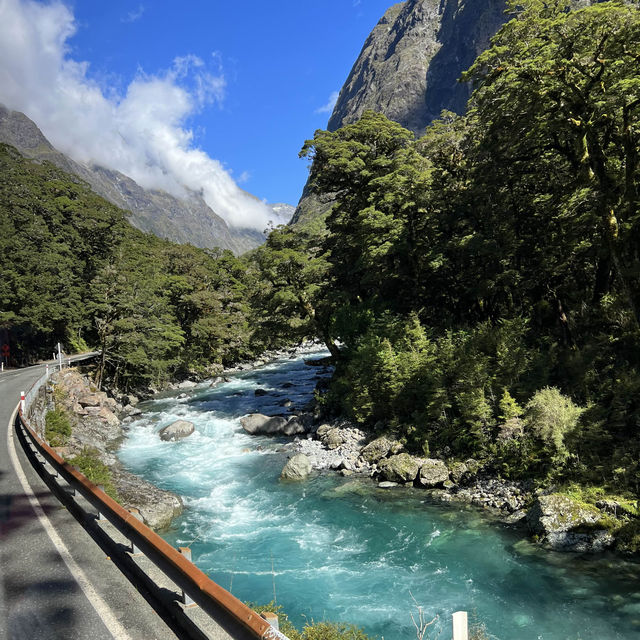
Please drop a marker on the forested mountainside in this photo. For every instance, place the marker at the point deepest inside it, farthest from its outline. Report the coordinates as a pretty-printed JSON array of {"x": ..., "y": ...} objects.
[
  {"x": 484, "y": 279},
  {"x": 74, "y": 270},
  {"x": 184, "y": 220}
]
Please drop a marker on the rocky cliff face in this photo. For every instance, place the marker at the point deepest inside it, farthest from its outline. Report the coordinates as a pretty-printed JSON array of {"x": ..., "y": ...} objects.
[
  {"x": 409, "y": 67},
  {"x": 183, "y": 220}
]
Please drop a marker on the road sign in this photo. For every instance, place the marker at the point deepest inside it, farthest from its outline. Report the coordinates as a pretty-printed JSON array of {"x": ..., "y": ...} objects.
[{"x": 5, "y": 351}]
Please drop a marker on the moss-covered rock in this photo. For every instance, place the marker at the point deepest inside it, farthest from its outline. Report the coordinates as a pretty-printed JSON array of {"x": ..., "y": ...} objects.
[
  {"x": 564, "y": 524},
  {"x": 399, "y": 468},
  {"x": 376, "y": 450},
  {"x": 628, "y": 538},
  {"x": 433, "y": 473}
]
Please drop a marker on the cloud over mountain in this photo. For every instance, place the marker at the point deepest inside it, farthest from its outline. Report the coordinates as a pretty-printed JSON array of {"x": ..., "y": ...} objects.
[{"x": 140, "y": 132}]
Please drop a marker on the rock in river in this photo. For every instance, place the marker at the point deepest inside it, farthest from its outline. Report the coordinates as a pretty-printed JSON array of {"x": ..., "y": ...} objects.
[
  {"x": 564, "y": 524},
  {"x": 177, "y": 430},
  {"x": 297, "y": 468},
  {"x": 259, "y": 424}
]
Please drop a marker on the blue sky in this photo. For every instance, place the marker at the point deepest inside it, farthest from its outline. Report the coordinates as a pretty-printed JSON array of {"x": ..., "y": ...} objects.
[{"x": 244, "y": 83}]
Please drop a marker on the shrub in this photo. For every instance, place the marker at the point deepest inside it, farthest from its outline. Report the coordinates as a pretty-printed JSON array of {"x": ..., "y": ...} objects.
[
  {"x": 333, "y": 631},
  {"x": 57, "y": 428},
  {"x": 88, "y": 463},
  {"x": 550, "y": 416},
  {"x": 312, "y": 630}
]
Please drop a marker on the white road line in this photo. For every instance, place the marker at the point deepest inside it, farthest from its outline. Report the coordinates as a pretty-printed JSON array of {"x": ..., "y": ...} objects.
[{"x": 102, "y": 608}]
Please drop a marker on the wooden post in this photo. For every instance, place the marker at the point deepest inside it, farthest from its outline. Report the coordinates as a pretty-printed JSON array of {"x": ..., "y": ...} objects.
[{"x": 460, "y": 626}]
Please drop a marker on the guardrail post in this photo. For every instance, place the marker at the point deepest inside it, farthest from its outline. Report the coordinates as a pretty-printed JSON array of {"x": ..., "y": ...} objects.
[
  {"x": 272, "y": 619},
  {"x": 134, "y": 550},
  {"x": 186, "y": 599},
  {"x": 460, "y": 626},
  {"x": 99, "y": 515}
]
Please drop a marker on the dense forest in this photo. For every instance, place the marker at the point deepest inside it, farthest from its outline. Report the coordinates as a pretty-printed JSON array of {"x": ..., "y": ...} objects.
[
  {"x": 75, "y": 271},
  {"x": 483, "y": 281},
  {"x": 478, "y": 288}
]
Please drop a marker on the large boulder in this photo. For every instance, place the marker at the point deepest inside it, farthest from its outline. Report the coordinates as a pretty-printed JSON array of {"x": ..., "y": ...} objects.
[
  {"x": 177, "y": 430},
  {"x": 399, "y": 468},
  {"x": 563, "y": 524},
  {"x": 157, "y": 506},
  {"x": 96, "y": 399},
  {"x": 433, "y": 473},
  {"x": 259, "y": 424},
  {"x": 376, "y": 450},
  {"x": 297, "y": 468}
]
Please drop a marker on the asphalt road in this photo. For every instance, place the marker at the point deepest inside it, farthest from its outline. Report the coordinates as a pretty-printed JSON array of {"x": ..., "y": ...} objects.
[{"x": 55, "y": 581}]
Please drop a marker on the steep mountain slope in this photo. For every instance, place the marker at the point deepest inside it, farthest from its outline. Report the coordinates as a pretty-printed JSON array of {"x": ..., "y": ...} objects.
[
  {"x": 183, "y": 220},
  {"x": 409, "y": 67}
]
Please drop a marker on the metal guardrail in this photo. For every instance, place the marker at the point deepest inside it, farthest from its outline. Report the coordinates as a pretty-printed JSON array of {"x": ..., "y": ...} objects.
[{"x": 211, "y": 597}]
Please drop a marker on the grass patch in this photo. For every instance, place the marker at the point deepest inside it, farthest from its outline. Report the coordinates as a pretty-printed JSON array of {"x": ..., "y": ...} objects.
[
  {"x": 57, "y": 429},
  {"x": 628, "y": 537},
  {"x": 89, "y": 464},
  {"x": 312, "y": 630}
]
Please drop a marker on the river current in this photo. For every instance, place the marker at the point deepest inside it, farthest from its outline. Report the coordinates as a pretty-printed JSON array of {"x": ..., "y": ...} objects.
[{"x": 341, "y": 549}]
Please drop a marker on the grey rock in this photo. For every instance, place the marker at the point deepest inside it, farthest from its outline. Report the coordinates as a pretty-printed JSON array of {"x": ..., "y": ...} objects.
[
  {"x": 177, "y": 430},
  {"x": 157, "y": 506},
  {"x": 458, "y": 470},
  {"x": 386, "y": 484},
  {"x": 376, "y": 450},
  {"x": 261, "y": 392},
  {"x": 297, "y": 468},
  {"x": 333, "y": 439},
  {"x": 433, "y": 473},
  {"x": 92, "y": 399},
  {"x": 186, "y": 384},
  {"x": 399, "y": 468},
  {"x": 516, "y": 517},
  {"x": 259, "y": 424},
  {"x": 564, "y": 524}
]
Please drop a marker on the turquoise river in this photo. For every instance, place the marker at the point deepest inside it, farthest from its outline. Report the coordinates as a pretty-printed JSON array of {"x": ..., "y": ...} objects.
[{"x": 340, "y": 549}]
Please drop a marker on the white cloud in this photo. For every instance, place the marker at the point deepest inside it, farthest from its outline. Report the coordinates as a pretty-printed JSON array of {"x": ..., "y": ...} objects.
[
  {"x": 328, "y": 108},
  {"x": 140, "y": 132},
  {"x": 134, "y": 15}
]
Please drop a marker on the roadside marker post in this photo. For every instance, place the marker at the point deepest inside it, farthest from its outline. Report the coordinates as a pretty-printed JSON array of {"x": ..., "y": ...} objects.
[
  {"x": 460, "y": 626},
  {"x": 22, "y": 401}
]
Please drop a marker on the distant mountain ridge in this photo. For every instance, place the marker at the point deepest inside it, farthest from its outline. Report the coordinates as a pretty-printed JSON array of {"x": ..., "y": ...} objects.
[{"x": 182, "y": 220}]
